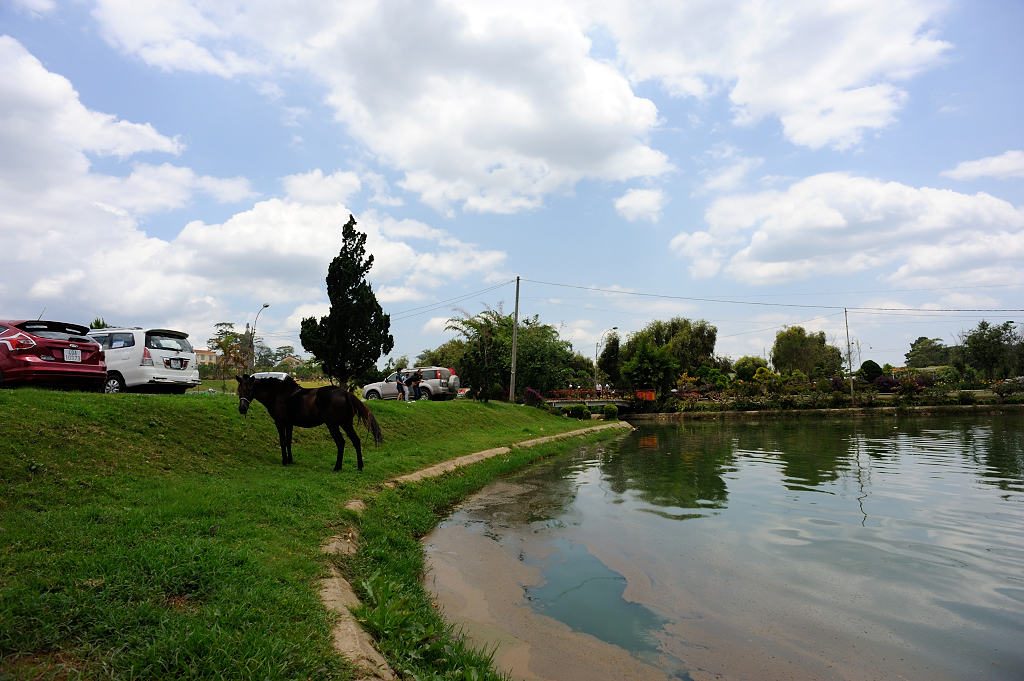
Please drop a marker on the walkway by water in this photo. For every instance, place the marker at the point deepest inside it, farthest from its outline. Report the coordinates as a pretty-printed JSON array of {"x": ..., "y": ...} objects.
[{"x": 797, "y": 549}]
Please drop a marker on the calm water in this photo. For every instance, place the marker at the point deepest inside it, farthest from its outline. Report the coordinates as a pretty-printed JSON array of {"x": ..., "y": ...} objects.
[{"x": 801, "y": 549}]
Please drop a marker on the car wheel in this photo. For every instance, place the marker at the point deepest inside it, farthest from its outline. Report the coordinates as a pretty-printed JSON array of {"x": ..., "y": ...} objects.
[
  {"x": 179, "y": 390},
  {"x": 424, "y": 394},
  {"x": 373, "y": 395},
  {"x": 114, "y": 384}
]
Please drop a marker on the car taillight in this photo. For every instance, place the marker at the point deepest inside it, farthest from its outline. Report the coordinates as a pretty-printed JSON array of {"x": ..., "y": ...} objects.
[
  {"x": 21, "y": 342},
  {"x": 147, "y": 359}
]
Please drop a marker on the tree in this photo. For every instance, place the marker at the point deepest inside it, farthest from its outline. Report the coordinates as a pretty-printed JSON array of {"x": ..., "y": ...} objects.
[
  {"x": 691, "y": 343},
  {"x": 483, "y": 355},
  {"x": 988, "y": 346},
  {"x": 927, "y": 352},
  {"x": 448, "y": 354},
  {"x": 231, "y": 348},
  {"x": 869, "y": 370},
  {"x": 746, "y": 367},
  {"x": 608, "y": 362},
  {"x": 99, "y": 323},
  {"x": 650, "y": 366},
  {"x": 794, "y": 348},
  {"x": 355, "y": 332}
]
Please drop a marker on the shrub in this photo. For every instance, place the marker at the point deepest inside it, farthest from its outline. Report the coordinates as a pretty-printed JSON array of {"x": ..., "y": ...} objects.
[
  {"x": 533, "y": 398},
  {"x": 886, "y": 384},
  {"x": 611, "y": 412},
  {"x": 908, "y": 387},
  {"x": 870, "y": 370},
  {"x": 576, "y": 411}
]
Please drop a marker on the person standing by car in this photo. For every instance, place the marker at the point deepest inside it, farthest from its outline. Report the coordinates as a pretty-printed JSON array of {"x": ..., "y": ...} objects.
[
  {"x": 402, "y": 387},
  {"x": 416, "y": 379}
]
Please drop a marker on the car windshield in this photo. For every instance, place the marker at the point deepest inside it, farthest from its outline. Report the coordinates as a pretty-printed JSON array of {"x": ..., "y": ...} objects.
[
  {"x": 57, "y": 331},
  {"x": 159, "y": 341}
]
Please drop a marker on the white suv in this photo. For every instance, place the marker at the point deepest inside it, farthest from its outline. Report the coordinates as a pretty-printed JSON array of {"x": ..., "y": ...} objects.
[{"x": 155, "y": 360}]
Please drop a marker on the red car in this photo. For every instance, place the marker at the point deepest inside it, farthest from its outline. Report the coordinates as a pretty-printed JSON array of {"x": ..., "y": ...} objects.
[{"x": 51, "y": 353}]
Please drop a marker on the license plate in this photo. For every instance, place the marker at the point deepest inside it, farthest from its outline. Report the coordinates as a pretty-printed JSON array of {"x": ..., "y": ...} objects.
[
  {"x": 72, "y": 355},
  {"x": 175, "y": 363}
]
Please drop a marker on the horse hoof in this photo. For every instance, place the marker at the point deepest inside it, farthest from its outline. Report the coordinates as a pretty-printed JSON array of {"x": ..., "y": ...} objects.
[{"x": 338, "y": 469}]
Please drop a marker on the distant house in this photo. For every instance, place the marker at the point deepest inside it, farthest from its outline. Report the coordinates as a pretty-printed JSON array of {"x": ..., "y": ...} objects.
[
  {"x": 206, "y": 357},
  {"x": 290, "y": 362}
]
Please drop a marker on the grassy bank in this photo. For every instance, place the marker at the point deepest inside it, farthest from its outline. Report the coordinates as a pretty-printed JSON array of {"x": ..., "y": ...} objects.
[{"x": 150, "y": 536}]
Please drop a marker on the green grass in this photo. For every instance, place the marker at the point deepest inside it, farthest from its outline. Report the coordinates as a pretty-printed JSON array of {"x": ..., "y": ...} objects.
[{"x": 151, "y": 536}]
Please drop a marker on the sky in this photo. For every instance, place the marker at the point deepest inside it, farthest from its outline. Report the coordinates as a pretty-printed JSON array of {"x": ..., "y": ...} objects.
[{"x": 179, "y": 163}]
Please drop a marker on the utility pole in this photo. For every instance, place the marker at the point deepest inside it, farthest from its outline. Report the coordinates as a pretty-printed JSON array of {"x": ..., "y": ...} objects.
[
  {"x": 849, "y": 356},
  {"x": 515, "y": 346}
]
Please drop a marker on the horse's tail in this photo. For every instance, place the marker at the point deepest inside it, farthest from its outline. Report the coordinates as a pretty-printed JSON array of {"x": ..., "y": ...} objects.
[{"x": 366, "y": 417}]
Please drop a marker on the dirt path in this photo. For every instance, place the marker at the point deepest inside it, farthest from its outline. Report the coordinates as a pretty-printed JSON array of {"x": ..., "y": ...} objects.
[{"x": 337, "y": 594}]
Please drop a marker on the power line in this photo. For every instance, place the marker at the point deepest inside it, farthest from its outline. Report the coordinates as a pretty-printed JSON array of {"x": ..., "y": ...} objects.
[
  {"x": 423, "y": 309},
  {"x": 747, "y": 302}
]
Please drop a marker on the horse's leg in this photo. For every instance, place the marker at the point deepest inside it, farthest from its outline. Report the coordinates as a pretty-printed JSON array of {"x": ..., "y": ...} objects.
[
  {"x": 351, "y": 432},
  {"x": 282, "y": 435},
  {"x": 290, "y": 442},
  {"x": 340, "y": 441}
]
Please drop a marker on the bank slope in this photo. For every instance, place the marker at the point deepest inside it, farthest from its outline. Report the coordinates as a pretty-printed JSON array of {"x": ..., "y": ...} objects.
[{"x": 153, "y": 536}]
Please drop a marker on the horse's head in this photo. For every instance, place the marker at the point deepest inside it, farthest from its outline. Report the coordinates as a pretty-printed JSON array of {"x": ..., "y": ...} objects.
[{"x": 245, "y": 390}]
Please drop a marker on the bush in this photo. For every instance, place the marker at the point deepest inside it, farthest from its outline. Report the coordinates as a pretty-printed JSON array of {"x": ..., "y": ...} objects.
[
  {"x": 870, "y": 370},
  {"x": 577, "y": 411},
  {"x": 908, "y": 387},
  {"x": 886, "y": 384},
  {"x": 611, "y": 412},
  {"x": 533, "y": 398}
]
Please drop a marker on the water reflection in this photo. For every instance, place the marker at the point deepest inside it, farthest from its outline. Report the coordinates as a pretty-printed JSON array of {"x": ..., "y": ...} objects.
[{"x": 823, "y": 548}]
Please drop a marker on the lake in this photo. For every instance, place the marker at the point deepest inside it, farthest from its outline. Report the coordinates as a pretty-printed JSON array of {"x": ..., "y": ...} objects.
[{"x": 805, "y": 548}]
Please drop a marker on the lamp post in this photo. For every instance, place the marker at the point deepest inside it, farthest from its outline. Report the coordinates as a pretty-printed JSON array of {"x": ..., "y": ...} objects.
[
  {"x": 252, "y": 339},
  {"x": 597, "y": 350}
]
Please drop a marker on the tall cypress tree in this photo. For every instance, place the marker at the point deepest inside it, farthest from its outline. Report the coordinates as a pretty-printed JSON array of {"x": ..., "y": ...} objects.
[{"x": 355, "y": 332}]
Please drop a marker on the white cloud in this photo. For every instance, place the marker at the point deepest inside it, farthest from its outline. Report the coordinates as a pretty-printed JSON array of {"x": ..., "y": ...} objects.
[
  {"x": 490, "y": 107},
  {"x": 641, "y": 204},
  {"x": 1009, "y": 164},
  {"x": 71, "y": 237},
  {"x": 304, "y": 311},
  {"x": 35, "y": 7},
  {"x": 728, "y": 177},
  {"x": 826, "y": 68},
  {"x": 435, "y": 326},
  {"x": 313, "y": 187},
  {"x": 834, "y": 224},
  {"x": 493, "y": 106}
]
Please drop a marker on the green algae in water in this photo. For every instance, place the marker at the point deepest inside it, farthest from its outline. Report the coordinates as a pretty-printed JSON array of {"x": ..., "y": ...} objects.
[{"x": 585, "y": 594}]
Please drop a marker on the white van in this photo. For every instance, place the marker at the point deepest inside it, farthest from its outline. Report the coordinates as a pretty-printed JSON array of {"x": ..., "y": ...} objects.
[{"x": 148, "y": 360}]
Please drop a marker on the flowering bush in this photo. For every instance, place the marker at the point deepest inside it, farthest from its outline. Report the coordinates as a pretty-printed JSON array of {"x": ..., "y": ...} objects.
[
  {"x": 533, "y": 398},
  {"x": 886, "y": 384},
  {"x": 908, "y": 387}
]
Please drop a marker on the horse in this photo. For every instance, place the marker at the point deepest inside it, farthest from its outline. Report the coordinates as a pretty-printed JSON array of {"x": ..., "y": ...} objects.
[{"x": 292, "y": 405}]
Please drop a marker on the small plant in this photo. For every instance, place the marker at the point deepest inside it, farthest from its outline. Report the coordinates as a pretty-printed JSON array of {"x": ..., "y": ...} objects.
[
  {"x": 533, "y": 398},
  {"x": 611, "y": 412}
]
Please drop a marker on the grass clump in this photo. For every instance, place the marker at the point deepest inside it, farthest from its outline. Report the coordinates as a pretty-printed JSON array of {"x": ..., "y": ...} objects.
[{"x": 158, "y": 536}]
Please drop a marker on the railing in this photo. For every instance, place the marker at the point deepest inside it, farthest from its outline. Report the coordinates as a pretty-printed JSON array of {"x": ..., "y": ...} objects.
[{"x": 584, "y": 394}]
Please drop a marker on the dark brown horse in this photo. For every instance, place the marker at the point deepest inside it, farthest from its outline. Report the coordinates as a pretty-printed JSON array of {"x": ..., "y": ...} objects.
[{"x": 291, "y": 405}]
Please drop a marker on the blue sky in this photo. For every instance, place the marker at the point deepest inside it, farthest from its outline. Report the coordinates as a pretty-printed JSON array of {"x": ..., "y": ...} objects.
[{"x": 179, "y": 163}]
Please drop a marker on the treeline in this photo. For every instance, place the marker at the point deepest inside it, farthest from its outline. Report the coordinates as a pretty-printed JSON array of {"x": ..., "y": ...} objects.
[
  {"x": 989, "y": 351},
  {"x": 679, "y": 354}
]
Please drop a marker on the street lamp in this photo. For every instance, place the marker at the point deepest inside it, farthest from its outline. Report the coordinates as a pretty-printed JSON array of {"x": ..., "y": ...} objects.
[
  {"x": 597, "y": 349},
  {"x": 252, "y": 339}
]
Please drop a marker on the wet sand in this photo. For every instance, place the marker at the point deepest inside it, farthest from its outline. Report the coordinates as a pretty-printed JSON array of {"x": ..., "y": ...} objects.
[{"x": 479, "y": 583}]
